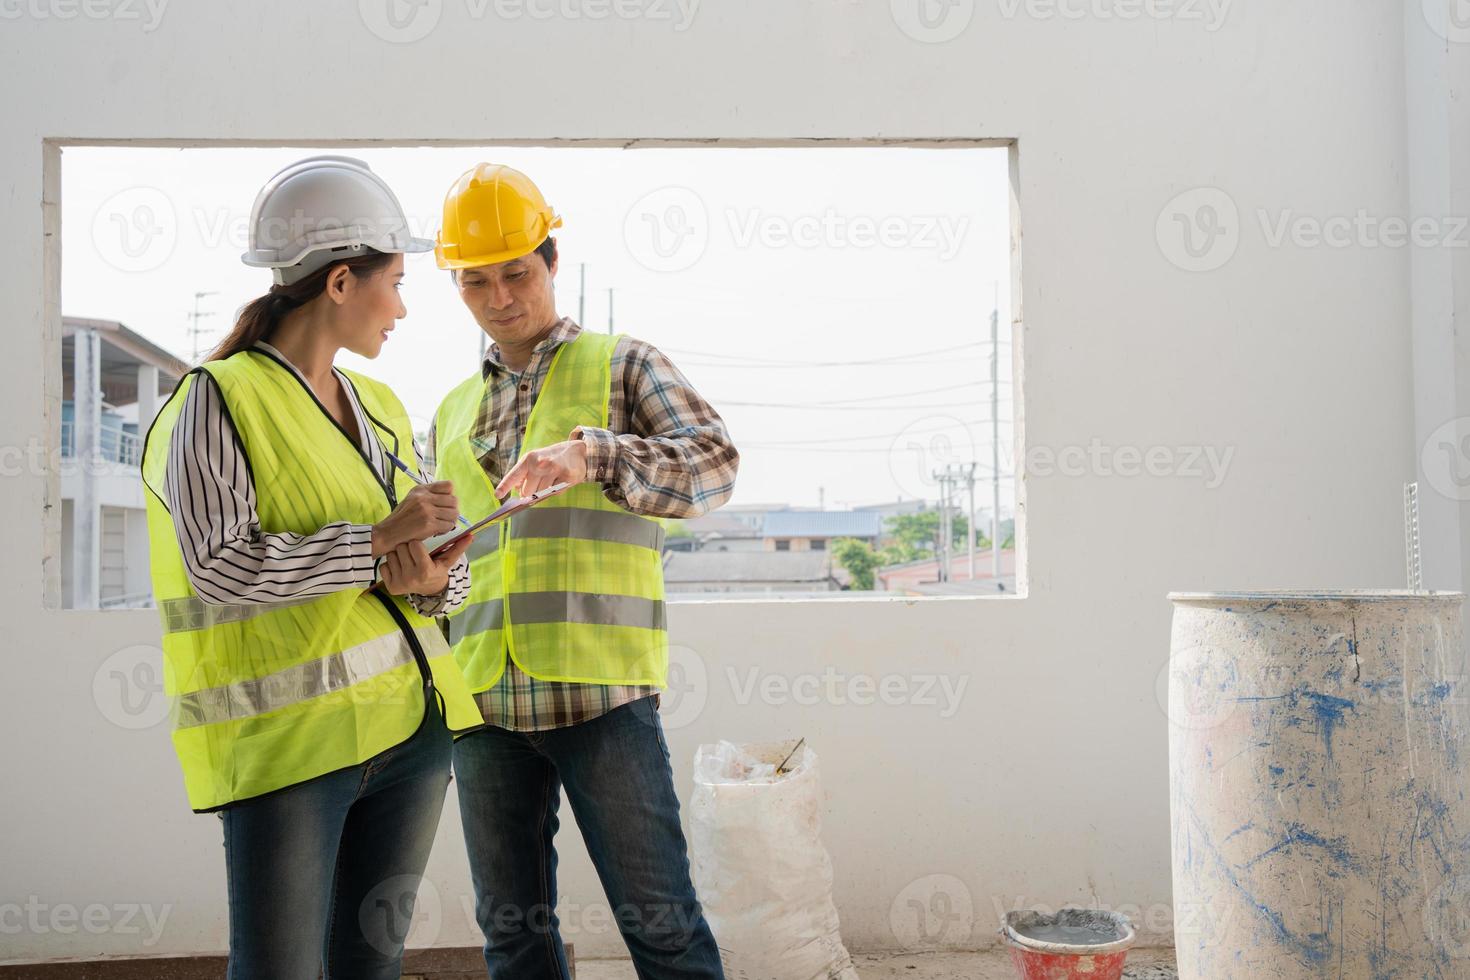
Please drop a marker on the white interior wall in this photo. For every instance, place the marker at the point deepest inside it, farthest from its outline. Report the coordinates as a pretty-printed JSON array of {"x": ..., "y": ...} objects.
[{"x": 1049, "y": 783}]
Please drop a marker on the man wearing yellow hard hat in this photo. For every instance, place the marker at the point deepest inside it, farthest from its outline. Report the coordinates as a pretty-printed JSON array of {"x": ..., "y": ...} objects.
[{"x": 563, "y": 637}]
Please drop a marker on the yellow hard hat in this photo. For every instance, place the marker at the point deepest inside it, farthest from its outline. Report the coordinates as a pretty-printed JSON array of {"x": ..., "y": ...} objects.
[{"x": 493, "y": 213}]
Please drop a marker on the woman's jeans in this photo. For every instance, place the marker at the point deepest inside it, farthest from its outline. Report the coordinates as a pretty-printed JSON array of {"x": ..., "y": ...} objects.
[
  {"x": 615, "y": 769},
  {"x": 322, "y": 875}
]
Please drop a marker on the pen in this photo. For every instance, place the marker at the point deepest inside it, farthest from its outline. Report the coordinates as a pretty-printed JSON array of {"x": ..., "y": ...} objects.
[{"x": 417, "y": 479}]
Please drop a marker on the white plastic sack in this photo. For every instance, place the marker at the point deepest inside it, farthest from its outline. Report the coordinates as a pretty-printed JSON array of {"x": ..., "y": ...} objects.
[{"x": 762, "y": 874}]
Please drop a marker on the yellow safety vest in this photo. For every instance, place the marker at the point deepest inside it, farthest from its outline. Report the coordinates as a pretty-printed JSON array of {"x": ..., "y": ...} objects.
[
  {"x": 571, "y": 589},
  {"x": 268, "y": 695}
]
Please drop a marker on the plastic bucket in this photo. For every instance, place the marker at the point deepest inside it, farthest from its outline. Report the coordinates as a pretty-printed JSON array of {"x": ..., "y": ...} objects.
[{"x": 1071, "y": 944}]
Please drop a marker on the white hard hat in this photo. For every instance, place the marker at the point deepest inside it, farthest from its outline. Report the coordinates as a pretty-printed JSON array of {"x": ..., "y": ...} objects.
[{"x": 321, "y": 210}]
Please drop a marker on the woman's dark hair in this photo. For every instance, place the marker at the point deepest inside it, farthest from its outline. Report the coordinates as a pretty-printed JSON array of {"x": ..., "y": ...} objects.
[{"x": 258, "y": 319}]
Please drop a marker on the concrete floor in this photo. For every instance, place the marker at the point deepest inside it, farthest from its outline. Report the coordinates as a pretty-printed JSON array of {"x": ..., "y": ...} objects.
[{"x": 1143, "y": 964}]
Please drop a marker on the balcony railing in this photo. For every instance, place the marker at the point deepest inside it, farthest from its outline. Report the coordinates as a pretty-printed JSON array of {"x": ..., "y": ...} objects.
[{"x": 116, "y": 446}]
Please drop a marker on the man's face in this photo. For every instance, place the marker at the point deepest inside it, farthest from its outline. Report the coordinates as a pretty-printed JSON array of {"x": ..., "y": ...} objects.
[{"x": 511, "y": 301}]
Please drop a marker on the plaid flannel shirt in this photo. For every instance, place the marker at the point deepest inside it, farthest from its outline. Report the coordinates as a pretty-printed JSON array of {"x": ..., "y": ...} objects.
[{"x": 664, "y": 453}]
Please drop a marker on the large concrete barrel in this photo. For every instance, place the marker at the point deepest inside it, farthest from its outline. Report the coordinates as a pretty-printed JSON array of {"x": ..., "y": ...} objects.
[{"x": 1320, "y": 795}]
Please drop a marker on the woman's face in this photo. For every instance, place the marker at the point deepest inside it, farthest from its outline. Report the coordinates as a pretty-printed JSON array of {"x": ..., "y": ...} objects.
[{"x": 367, "y": 306}]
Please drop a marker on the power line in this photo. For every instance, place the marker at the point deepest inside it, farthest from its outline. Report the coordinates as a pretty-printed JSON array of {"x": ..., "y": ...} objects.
[
  {"x": 898, "y": 394},
  {"x": 797, "y": 447},
  {"x": 819, "y": 407},
  {"x": 886, "y": 435},
  {"x": 859, "y": 449},
  {"x": 780, "y": 362},
  {"x": 754, "y": 365}
]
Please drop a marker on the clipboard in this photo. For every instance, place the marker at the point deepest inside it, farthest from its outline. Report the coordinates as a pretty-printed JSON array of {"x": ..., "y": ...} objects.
[{"x": 438, "y": 545}]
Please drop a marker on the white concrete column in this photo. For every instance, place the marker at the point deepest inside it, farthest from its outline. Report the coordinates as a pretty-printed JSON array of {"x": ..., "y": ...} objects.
[
  {"x": 148, "y": 401},
  {"x": 87, "y": 445},
  {"x": 1437, "y": 184}
]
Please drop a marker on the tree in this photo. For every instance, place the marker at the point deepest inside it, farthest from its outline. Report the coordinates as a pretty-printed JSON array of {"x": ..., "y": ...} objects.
[
  {"x": 919, "y": 532},
  {"x": 859, "y": 560}
]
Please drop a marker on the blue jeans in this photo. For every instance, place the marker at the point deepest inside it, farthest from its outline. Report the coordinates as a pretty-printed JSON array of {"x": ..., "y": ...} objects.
[
  {"x": 616, "y": 772},
  {"x": 322, "y": 875}
]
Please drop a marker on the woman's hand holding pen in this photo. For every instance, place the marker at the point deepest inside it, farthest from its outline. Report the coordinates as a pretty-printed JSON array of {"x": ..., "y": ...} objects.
[
  {"x": 410, "y": 568},
  {"x": 427, "y": 510}
]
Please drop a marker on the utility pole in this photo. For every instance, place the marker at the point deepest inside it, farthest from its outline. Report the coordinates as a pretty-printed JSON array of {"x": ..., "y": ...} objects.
[
  {"x": 609, "y": 311},
  {"x": 950, "y": 479},
  {"x": 970, "y": 480},
  {"x": 194, "y": 329},
  {"x": 995, "y": 437},
  {"x": 944, "y": 547},
  {"x": 943, "y": 554},
  {"x": 582, "y": 298}
]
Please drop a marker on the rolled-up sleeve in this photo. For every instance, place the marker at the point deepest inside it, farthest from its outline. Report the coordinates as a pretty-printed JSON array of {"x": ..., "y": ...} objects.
[{"x": 677, "y": 460}]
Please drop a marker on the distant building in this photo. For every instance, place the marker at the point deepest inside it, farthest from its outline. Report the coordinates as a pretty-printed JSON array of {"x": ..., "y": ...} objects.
[
  {"x": 894, "y": 508},
  {"x": 753, "y": 516},
  {"x": 719, "y": 531},
  {"x": 813, "y": 530},
  {"x": 113, "y": 383},
  {"x": 922, "y": 577},
  {"x": 749, "y": 571}
]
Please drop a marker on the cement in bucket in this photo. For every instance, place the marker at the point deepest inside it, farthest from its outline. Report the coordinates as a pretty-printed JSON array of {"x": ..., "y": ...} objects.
[
  {"x": 1070, "y": 944},
  {"x": 1320, "y": 794}
]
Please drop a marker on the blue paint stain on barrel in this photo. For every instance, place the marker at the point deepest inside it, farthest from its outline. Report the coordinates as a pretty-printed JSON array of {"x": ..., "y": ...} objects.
[{"x": 1329, "y": 710}]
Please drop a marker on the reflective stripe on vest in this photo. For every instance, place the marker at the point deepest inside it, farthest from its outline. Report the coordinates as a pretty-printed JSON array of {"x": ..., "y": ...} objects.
[
  {"x": 268, "y": 695},
  {"x": 192, "y": 613},
  {"x": 557, "y": 607},
  {"x": 571, "y": 589},
  {"x": 301, "y": 682}
]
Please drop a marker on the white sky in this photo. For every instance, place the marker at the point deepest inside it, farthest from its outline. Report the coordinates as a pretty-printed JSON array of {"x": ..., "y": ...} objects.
[{"x": 754, "y": 269}]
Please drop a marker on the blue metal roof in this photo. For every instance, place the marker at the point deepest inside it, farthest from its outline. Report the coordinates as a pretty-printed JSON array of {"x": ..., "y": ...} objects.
[{"x": 823, "y": 524}]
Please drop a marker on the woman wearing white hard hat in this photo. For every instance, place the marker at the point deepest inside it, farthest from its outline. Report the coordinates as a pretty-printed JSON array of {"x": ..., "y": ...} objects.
[{"x": 314, "y": 697}]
